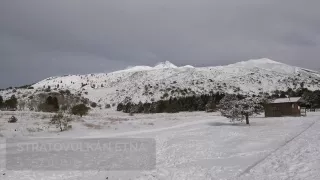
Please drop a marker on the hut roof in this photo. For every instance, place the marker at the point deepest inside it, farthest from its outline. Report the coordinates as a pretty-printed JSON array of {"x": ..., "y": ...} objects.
[{"x": 287, "y": 100}]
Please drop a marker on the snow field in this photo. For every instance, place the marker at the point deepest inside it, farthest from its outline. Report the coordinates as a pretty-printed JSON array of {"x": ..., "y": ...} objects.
[{"x": 192, "y": 145}]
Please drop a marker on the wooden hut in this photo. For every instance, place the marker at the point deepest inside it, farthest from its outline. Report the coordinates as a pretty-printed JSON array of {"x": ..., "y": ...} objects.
[{"x": 284, "y": 107}]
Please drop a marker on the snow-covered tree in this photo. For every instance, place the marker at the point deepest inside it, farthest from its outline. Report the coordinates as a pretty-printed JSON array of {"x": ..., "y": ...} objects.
[
  {"x": 227, "y": 107},
  {"x": 239, "y": 109},
  {"x": 21, "y": 104},
  {"x": 312, "y": 98}
]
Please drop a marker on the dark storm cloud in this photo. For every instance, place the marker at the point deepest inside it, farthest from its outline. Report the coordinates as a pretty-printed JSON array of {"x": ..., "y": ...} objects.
[{"x": 44, "y": 38}]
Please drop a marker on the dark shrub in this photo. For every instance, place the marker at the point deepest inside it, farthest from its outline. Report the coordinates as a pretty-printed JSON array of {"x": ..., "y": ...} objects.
[
  {"x": 120, "y": 107},
  {"x": 11, "y": 103},
  {"x": 44, "y": 107},
  {"x": 13, "y": 119},
  {"x": 80, "y": 109},
  {"x": 51, "y": 105},
  {"x": 68, "y": 92},
  {"x": 93, "y": 105},
  {"x": 1, "y": 101}
]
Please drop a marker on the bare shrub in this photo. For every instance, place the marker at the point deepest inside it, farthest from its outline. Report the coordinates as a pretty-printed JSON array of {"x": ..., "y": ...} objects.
[{"x": 61, "y": 122}]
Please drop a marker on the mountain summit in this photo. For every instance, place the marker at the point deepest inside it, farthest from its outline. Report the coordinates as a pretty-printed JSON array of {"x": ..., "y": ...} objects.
[
  {"x": 161, "y": 65},
  {"x": 164, "y": 65},
  {"x": 263, "y": 61},
  {"x": 266, "y": 64},
  {"x": 258, "y": 63}
]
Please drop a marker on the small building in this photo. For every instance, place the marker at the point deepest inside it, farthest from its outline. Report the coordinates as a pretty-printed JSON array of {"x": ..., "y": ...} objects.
[{"x": 284, "y": 107}]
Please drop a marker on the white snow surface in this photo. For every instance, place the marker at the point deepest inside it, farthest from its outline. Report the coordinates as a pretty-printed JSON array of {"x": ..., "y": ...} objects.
[
  {"x": 285, "y": 100},
  {"x": 138, "y": 68},
  {"x": 266, "y": 64},
  {"x": 164, "y": 65},
  {"x": 145, "y": 83},
  {"x": 198, "y": 145}
]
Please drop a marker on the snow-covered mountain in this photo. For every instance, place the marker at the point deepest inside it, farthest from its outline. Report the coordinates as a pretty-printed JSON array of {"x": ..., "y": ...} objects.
[{"x": 145, "y": 83}]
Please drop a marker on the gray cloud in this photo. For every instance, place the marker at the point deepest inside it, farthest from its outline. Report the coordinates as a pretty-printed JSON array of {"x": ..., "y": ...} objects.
[{"x": 45, "y": 38}]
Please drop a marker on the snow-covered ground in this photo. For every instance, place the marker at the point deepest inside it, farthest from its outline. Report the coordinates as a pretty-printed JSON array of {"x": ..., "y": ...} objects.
[{"x": 193, "y": 145}]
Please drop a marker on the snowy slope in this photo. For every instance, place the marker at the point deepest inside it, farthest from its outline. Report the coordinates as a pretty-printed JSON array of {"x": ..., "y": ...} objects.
[{"x": 145, "y": 83}]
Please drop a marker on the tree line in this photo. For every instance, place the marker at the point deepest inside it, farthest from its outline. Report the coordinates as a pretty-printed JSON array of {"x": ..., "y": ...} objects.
[
  {"x": 10, "y": 103},
  {"x": 210, "y": 102},
  {"x": 51, "y": 104},
  {"x": 190, "y": 103}
]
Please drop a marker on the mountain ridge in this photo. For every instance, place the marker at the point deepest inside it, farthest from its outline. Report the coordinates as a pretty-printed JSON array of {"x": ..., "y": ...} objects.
[{"x": 165, "y": 80}]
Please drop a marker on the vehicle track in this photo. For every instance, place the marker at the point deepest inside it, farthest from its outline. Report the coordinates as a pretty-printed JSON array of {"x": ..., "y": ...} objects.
[{"x": 247, "y": 170}]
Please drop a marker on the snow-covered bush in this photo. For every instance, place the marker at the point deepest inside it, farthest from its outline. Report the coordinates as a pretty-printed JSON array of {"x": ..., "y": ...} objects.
[
  {"x": 21, "y": 104},
  {"x": 239, "y": 109}
]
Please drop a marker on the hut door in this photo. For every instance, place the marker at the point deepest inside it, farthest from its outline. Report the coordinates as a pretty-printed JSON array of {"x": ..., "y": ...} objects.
[{"x": 276, "y": 111}]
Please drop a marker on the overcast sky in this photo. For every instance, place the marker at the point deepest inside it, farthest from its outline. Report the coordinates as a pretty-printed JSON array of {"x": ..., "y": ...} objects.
[{"x": 42, "y": 38}]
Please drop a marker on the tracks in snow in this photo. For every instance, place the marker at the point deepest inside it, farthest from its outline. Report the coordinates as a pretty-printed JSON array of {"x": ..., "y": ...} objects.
[
  {"x": 246, "y": 171},
  {"x": 131, "y": 133}
]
